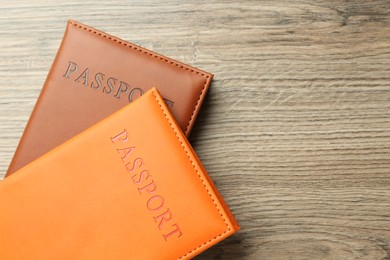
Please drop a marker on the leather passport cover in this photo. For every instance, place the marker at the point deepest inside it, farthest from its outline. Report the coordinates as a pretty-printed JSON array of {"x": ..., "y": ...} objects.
[
  {"x": 95, "y": 74},
  {"x": 129, "y": 187}
]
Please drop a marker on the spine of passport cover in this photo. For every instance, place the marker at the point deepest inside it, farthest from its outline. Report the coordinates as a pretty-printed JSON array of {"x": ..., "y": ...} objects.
[{"x": 15, "y": 163}]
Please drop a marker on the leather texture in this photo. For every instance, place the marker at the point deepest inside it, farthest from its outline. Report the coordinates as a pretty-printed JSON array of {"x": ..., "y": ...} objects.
[
  {"x": 101, "y": 194},
  {"x": 95, "y": 74}
]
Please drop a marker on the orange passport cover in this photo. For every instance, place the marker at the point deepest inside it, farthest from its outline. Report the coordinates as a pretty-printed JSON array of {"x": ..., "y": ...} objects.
[{"x": 129, "y": 187}]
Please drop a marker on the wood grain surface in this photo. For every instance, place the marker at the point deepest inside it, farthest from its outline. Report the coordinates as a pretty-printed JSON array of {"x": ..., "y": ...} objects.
[{"x": 295, "y": 128}]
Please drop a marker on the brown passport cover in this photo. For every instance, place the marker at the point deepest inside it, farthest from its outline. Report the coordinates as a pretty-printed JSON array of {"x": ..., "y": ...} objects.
[
  {"x": 95, "y": 74},
  {"x": 129, "y": 187}
]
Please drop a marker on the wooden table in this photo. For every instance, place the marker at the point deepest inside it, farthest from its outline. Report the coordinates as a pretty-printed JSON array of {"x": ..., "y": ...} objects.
[{"x": 295, "y": 130}]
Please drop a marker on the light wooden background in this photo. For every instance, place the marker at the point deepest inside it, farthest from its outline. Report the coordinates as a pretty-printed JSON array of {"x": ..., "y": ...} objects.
[{"x": 295, "y": 130}]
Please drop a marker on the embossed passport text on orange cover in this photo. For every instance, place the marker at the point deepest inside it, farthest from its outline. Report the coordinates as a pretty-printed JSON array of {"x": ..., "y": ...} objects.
[
  {"x": 129, "y": 187},
  {"x": 95, "y": 74}
]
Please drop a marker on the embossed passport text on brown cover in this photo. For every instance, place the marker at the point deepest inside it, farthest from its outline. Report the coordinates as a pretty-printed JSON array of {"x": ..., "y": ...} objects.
[
  {"x": 95, "y": 74},
  {"x": 129, "y": 187}
]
